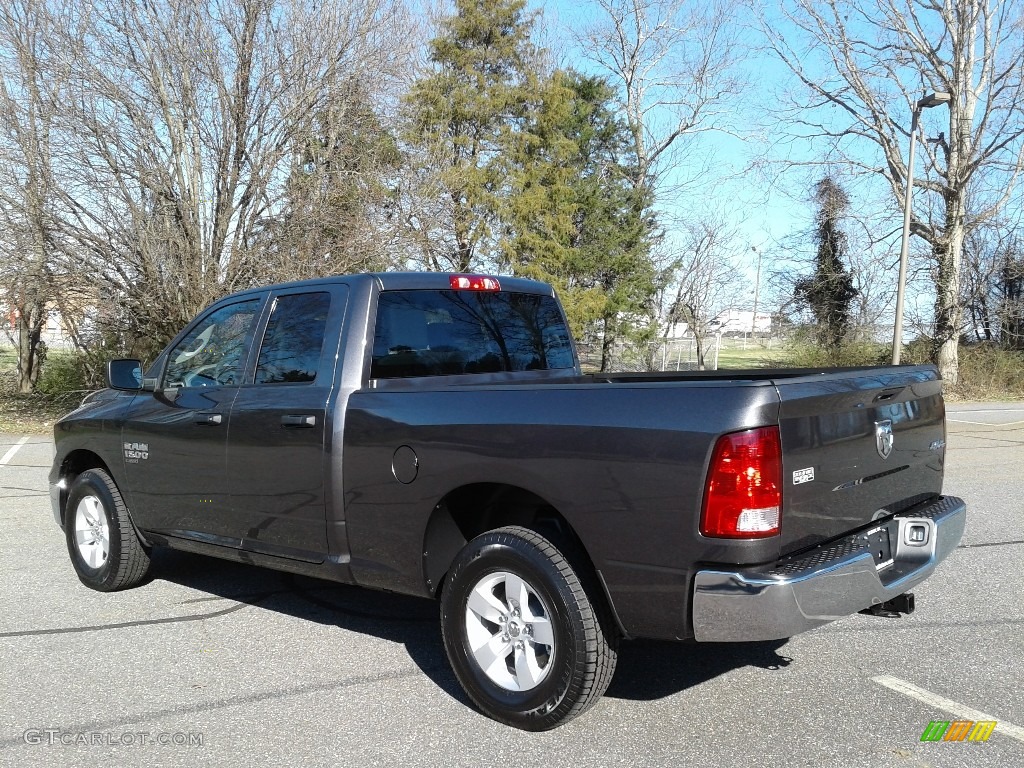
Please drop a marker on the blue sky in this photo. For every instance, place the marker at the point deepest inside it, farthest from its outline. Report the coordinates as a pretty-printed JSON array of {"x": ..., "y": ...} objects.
[{"x": 769, "y": 208}]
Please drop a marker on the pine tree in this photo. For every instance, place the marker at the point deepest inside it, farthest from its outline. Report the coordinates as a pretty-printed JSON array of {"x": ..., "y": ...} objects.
[
  {"x": 461, "y": 118},
  {"x": 573, "y": 217}
]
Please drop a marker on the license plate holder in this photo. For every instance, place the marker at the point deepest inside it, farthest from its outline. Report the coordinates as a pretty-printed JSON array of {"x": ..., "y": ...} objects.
[{"x": 879, "y": 541}]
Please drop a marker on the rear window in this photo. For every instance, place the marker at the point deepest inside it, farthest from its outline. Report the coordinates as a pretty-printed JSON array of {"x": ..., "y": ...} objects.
[{"x": 446, "y": 333}]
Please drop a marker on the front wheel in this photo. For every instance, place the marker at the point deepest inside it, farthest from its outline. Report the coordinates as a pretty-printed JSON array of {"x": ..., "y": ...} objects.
[
  {"x": 104, "y": 548},
  {"x": 527, "y": 643}
]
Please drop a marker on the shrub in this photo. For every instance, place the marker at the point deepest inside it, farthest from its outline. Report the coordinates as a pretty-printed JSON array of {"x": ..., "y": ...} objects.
[
  {"x": 63, "y": 373},
  {"x": 990, "y": 372},
  {"x": 803, "y": 351},
  {"x": 987, "y": 371},
  {"x": 860, "y": 353}
]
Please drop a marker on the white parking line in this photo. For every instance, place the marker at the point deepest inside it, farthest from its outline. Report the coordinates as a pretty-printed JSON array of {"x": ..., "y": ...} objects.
[
  {"x": 985, "y": 410},
  {"x": 13, "y": 450},
  {"x": 987, "y": 423},
  {"x": 953, "y": 707}
]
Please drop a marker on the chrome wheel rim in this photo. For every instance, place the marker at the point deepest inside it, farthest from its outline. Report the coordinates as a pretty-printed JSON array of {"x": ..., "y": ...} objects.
[
  {"x": 92, "y": 533},
  {"x": 509, "y": 632}
]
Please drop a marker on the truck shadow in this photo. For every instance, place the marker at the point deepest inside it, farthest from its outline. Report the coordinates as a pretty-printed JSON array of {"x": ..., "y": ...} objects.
[
  {"x": 650, "y": 669},
  {"x": 647, "y": 670}
]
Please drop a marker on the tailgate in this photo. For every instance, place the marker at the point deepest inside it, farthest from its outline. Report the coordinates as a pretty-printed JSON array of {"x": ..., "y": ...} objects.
[{"x": 857, "y": 446}]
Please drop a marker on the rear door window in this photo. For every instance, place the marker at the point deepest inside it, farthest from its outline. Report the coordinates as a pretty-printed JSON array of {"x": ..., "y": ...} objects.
[
  {"x": 294, "y": 339},
  {"x": 444, "y": 333}
]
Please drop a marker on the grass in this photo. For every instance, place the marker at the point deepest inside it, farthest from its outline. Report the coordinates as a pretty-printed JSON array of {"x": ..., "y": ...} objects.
[
  {"x": 31, "y": 414},
  {"x": 752, "y": 354},
  {"x": 987, "y": 372},
  {"x": 28, "y": 414}
]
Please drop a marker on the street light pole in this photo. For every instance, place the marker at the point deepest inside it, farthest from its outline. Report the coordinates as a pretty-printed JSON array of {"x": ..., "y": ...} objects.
[
  {"x": 757, "y": 290},
  {"x": 932, "y": 100}
]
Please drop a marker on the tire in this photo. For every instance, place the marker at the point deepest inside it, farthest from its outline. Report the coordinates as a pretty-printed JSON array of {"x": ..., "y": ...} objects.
[
  {"x": 104, "y": 547},
  {"x": 527, "y": 643}
]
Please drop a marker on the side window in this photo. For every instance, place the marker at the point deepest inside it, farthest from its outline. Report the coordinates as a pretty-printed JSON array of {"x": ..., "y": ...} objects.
[
  {"x": 294, "y": 339},
  {"x": 212, "y": 354}
]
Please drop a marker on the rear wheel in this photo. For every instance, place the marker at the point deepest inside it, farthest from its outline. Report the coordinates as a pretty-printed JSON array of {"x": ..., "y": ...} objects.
[
  {"x": 104, "y": 548},
  {"x": 529, "y": 646}
]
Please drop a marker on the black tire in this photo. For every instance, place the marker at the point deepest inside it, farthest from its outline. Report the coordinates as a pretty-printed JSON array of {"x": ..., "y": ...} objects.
[
  {"x": 119, "y": 562},
  {"x": 581, "y": 661}
]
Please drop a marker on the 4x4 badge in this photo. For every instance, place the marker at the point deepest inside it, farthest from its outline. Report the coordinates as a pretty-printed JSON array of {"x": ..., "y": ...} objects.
[{"x": 883, "y": 438}]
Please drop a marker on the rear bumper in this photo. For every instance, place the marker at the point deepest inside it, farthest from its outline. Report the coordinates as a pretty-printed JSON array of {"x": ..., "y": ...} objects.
[{"x": 828, "y": 583}]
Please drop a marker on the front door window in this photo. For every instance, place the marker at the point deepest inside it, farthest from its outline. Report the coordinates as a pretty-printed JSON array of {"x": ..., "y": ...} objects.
[{"x": 213, "y": 353}]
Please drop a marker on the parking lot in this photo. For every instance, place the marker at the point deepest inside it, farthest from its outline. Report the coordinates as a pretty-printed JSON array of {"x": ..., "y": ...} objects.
[{"x": 214, "y": 663}]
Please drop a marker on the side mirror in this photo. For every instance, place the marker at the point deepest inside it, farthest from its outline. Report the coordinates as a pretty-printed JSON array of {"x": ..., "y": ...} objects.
[{"x": 125, "y": 375}]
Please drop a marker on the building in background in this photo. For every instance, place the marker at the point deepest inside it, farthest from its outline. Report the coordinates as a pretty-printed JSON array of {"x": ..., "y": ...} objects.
[{"x": 739, "y": 322}]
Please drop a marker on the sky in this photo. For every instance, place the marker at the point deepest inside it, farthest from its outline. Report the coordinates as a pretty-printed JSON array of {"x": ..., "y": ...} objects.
[
  {"x": 720, "y": 160},
  {"x": 741, "y": 174}
]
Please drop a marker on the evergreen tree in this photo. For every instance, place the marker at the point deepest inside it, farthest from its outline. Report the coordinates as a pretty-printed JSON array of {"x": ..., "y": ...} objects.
[
  {"x": 573, "y": 216},
  {"x": 338, "y": 194},
  {"x": 829, "y": 292},
  {"x": 462, "y": 116}
]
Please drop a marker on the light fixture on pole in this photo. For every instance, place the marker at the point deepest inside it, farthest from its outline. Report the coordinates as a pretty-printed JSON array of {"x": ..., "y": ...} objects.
[{"x": 932, "y": 100}]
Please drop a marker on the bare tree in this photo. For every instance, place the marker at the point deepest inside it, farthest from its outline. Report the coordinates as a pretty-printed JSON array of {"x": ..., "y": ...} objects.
[
  {"x": 864, "y": 64},
  {"x": 197, "y": 148},
  {"x": 674, "y": 65},
  {"x": 993, "y": 285},
  {"x": 708, "y": 279},
  {"x": 29, "y": 86}
]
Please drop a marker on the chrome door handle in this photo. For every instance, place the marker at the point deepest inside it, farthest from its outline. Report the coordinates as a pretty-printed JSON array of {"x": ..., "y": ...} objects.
[
  {"x": 298, "y": 421},
  {"x": 208, "y": 419}
]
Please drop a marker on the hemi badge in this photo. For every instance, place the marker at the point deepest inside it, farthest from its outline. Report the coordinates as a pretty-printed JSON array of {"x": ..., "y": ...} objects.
[{"x": 803, "y": 476}]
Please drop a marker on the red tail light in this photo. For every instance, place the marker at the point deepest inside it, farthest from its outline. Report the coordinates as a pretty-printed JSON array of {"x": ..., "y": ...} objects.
[
  {"x": 474, "y": 283},
  {"x": 743, "y": 493}
]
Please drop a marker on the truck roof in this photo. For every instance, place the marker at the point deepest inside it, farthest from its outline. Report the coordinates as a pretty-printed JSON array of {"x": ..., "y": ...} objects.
[{"x": 399, "y": 281}]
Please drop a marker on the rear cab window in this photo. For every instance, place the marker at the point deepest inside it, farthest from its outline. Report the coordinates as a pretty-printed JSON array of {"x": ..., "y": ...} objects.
[{"x": 455, "y": 332}]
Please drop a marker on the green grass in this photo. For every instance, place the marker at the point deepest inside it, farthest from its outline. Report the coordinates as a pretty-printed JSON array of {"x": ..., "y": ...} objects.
[{"x": 755, "y": 354}]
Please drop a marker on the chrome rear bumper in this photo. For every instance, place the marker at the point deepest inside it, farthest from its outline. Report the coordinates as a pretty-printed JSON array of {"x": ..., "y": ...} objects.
[{"x": 828, "y": 583}]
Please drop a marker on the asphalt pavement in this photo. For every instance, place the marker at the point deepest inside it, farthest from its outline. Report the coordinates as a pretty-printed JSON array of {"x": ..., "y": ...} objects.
[{"x": 213, "y": 663}]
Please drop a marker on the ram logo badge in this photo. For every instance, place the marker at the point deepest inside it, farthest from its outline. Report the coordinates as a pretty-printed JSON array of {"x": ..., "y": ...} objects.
[
  {"x": 883, "y": 438},
  {"x": 133, "y": 452}
]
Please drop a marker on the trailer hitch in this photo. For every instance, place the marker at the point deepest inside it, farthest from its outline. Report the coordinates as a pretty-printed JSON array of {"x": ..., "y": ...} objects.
[{"x": 892, "y": 609}]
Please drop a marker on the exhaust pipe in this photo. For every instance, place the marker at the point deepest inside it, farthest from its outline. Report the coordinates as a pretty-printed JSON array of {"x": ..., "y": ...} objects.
[{"x": 892, "y": 609}]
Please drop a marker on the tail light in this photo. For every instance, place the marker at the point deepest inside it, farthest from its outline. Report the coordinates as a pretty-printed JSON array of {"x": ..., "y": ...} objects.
[
  {"x": 474, "y": 283},
  {"x": 743, "y": 493}
]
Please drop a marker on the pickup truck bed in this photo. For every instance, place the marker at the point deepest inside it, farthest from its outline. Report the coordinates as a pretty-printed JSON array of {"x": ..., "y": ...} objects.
[
  {"x": 434, "y": 435},
  {"x": 629, "y": 455}
]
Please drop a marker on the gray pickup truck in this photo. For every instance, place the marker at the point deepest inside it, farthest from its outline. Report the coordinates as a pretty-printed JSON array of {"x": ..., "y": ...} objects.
[{"x": 434, "y": 435}]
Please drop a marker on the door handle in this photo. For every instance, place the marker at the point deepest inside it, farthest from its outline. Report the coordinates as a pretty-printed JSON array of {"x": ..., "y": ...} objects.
[
  {"x": 298, "y": 421},
  {"x": 208, "y": 419}
]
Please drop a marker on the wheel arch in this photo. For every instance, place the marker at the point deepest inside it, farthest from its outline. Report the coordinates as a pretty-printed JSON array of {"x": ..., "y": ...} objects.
[
  {"x": 75, "y": 463},
  {"x": 471, "y": 510}
]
